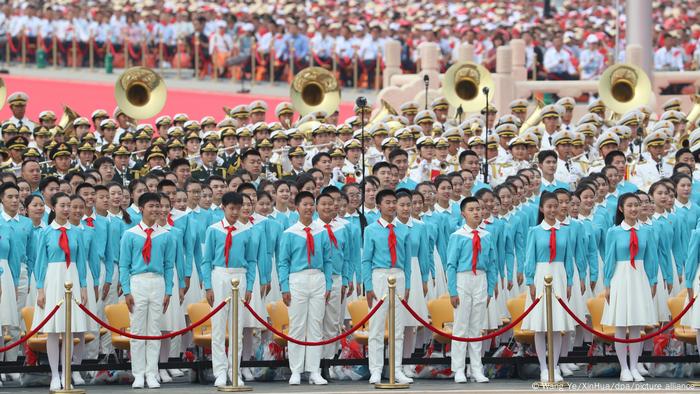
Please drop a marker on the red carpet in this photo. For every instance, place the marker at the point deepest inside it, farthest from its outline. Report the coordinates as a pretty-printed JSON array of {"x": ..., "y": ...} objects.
[{"x": 85, "y": 97}]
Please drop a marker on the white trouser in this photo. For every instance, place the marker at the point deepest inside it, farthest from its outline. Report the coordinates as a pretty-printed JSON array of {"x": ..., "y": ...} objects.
[
  {"x": 221, "y": 286},
  {"x": 378, "y": 321},
  {"x": 148, "y": 291},
  {"x": 469, "y": 318},
  {"x": 112, "y": 299},
  {"x": 308, "y": 288},
  {"x": 331, "y": 319}
]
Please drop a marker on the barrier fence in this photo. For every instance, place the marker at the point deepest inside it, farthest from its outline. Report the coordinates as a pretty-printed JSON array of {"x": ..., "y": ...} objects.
[{"x": 549, "y": 299}]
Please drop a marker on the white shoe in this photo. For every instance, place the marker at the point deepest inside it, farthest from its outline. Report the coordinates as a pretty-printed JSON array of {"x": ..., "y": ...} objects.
[
  {"x": 316, "y": 378},
  {"x": 164, "y": 376},
  {"x": 220, "y": 381},
  {"x": 138, "y": 382},
  {"x": 295, "y": 380},
  {"x": 479, "y": 377},
  {"x": 408, "y": 371},
  {"x": 637, "y": 376},
  {"x": 375, "y": 378},
  {"x": 15, "y": 377},
  {"x": 626, "y": 376},
  {"x": 55, "y": 384},
  {"x": 460, "y": 377},
  {"x": 573, "y": 366},
  {"x": 247, "y": 375},
  {"x": 642, "y": 369},
  {"x": 176, "y": 373},
  {"x": 77, "y": 379},
  {"x": 240, "y": 382},
  {"x": 469, "y": 371},
  {"x": 557, "y": 375},
  {"x": 152, "y": 382},
  {"x": 544, "y": 375},
  {"x": 399, "y": 377},
  {"x": 63, "y": 383},
  {"x": 565, "y": 371}
]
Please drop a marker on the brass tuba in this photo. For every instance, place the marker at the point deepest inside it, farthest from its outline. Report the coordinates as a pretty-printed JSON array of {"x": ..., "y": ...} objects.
[
  {"x": 694, "y": 113},
  {"x": 140, "y": 93},
  {"x": 315, "y": 89},
  {"x": 66, "y": 122},
  {"x": 385, "y": 110},
  {"x": 3, "y": 92},
  {"x": 624, "y": 87},
  {"x": 463, "y": 85},
  {"x": 534, "y": 118}
]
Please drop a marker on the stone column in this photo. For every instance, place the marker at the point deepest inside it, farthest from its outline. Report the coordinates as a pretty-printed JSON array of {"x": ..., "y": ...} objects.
[
  {"x": 639, "y": 31},
  {"x": 392, "y": 61},
  {"x": 519, "y": 71},
  {"x": 503, "y": 79},
  {"x": 465, "y": 52}
]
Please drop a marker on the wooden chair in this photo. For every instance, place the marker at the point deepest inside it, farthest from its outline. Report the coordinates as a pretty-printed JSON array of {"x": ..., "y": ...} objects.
[
  {"x": 441, "y": 314},
  {"x": 682, "y": 332},
  {"x": 201, "y": 336},
  {"x": 279, "y": 318},
  {"x": 358, "y": 309},
  {"x": 37, "y": 343},
  {"x": 516, "y": 307},
  {"x": 118, "y": 317}
]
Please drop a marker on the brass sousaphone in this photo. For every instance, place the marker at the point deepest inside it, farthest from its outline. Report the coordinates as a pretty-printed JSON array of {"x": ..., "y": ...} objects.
[
  {"x": 463, "y": 85},
  {"x": 140, "y": 93},
  {"x": 315, "y": 89},
  {"x": 3, "y": 92},
  {"x": 624, "y": 87}
]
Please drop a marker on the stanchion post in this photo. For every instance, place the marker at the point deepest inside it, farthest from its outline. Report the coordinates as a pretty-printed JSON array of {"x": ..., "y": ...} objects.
[
  {"x": 392, "y": 340},
  {"x": 74, "y": 52},
  {"x": 91, "y": 52},
  {"x": 144, "y": 52},
  {"x": 291, "y": 63},
  {"x": 253, "y": 54},
  {"x": 126, "y": 53},
  {"x": 354, "y": 72},
  {"x": 378, "y": 71},
  {"x": 68, "y": 343},
  {"x": 272, "y": 64},
  {"x": 54, "y": 51},
  {"x": 177, "y": 58},
  {"x": 233, "y": 342},
  {"x": 160, "y": 56},
  {"x": 7, "y": 51},
  {"x": 24, "y": 48},
  {"x": 196, "y": 56},
  {"x": 550, "y": 338}
]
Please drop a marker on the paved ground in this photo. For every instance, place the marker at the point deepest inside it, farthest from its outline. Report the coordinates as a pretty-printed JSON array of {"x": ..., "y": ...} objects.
[
  {"x": 185, "y": 81},
  {"x": 422, "y": 386}
]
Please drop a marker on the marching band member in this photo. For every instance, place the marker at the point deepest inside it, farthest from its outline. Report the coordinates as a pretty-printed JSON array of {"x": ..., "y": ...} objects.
[
  {"x": 630, "y": 282},
  {"x": 471, "y": 276}
]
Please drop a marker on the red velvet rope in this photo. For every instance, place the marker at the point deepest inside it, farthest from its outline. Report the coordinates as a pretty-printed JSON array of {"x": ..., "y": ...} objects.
[
  {"x": 319, "y": 343},
  {"x": 155, "y": 337},
  {"x": 625, "y": 340},
  {"x": 461, "y": 339},
  {"x": 40, "y": 41},
  {"x": 34, "y": 331},
  {"x": 318, "y": 60},
  {"x": 132, "y": 52}
]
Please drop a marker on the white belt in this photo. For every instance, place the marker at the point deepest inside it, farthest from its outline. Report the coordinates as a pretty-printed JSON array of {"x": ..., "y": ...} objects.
[
  {"x": 230, "y": 270},
  {"x": 147, "y": 275},
  {"x": 478, "y": 272}
]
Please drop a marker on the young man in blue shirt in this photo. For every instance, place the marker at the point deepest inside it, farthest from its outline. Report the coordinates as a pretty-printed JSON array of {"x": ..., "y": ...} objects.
[
  {"x": 387, "y": 252},
  {"x": 305, "y": 274},
  {"x": 471, "y": 279},
  {"x": 146, "y": 263}
]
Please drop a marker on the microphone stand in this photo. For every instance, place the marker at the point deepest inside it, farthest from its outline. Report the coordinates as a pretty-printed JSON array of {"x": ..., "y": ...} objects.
[
  {"x": 460, "y": 111},
  {"x": 362, "y": 103},
  {"x": 488, "y": 134},
  {"x": 426, "y": 81}
]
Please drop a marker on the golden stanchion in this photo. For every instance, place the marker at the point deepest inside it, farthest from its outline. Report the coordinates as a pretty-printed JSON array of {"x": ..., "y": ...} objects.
[
  {"x": 160, "y": 56},
  {"x": 74, "y": 50},
  {"x": 392, "y": 340},
  {"x": 354, "y": 72},
  {"x": 534, "y": 69},
  {"x": 177, "y": 59},
  {"x": 233, "y": 342},
  {"x": 68, "y": 343},
  {"x": 311, "y": 59},
  {"x": 291, "y": 63},
  {"x": 253, "y": 52},
  {"x": 377, "y": 72},
  {"x": 7, "y": 51},
  {"x": 91, "y": 53},
  {"x": 550, "y": 384},
  {"x": 126, "y": 53},
  {"x": 24, "y": 48},
  {"x": 144, "y": 52},
  {"x": 54, "y": 50},
  {"x": 334, "y": 64},
  {"x": 196, "y": 56},
  {"x": 216, "y": 67},
  {"x": 272, "y": 64}
]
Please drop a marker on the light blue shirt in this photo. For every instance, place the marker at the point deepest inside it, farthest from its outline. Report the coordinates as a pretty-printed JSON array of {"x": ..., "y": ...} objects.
[
  {"x": 691, "y": 263},
  {"x": 420, "y": 247},
  {"x": 617, "y": 251},
  {"x": 377, "y": 254},
  {"x": 21, "y": 238},
  {"x": 242, "y": 252},
  {"x": 340, "y": 253},
  {"x": 537, "y": 250},
  {"x": 293, "y": 254},
  {"x": 460, "y": 253},
  {"x": 663, "y": 231},
  {"x": 546, "y": 186},
  {"x": 9, "y": 251},
  {"x": 48, "y": 252},
  {"x": 163, "y": 249}
]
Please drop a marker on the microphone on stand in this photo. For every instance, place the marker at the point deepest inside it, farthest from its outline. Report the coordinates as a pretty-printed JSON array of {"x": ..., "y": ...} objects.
[
  {"x": 485, "y": 90},
  {"x": 426, "y": 81},
  {"x": 361, "y": 103}
]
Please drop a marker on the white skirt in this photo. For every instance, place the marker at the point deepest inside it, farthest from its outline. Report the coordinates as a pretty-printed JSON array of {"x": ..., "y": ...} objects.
[
  {"x": 493, "y": 318},
  {"x": 55, "y": 292},
  {"x": 516, "y": 289},
  {"x": 537, "y": 319},
  {"x": 195, "y": 293},
  {"x": 576, "y": 302},
  {"x": 630, "y": 297},
  {"x": 8, "y": 300},
  {"x": 275, "y": 292},
  {"x": 440, "y": 286},
  {"x": 661, "y": 299},
  {"x": 174, "y": 318},
  {"x": 676, "y": 280},
  {"x": 415, "y": 296},
  {"x": 502, "y": 299},
  {"x": 256, "y": 302},
  {"x": 692, "y": 318},
  {"x": 92, "y": 326},
  {"x": 599, "y": 287}
]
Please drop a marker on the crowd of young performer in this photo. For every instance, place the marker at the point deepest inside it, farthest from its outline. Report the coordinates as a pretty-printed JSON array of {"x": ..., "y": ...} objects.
[{"x": 618, "y": 220}]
